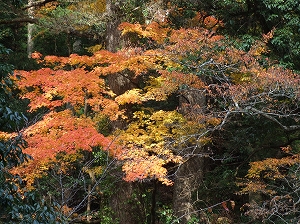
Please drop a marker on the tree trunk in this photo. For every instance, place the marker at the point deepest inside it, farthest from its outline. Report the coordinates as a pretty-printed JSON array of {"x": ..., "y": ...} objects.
[
  {"x": 190, "y": 174},
  {"x": 89, "y": 202},
  {"x": 125, "y": 204},
  {"x": 112, "y": 32},
  {"x": 30, "y": 28},
  {"x": 153, "y": 203},
  {"x": 188, "y": 178}
]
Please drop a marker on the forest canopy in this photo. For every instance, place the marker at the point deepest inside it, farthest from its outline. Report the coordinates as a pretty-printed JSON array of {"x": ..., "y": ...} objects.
[{"x": 149, "y": 112}]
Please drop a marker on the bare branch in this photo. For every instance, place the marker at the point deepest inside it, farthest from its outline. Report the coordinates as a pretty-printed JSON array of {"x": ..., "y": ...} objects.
[{"x": 266, "y": 115}]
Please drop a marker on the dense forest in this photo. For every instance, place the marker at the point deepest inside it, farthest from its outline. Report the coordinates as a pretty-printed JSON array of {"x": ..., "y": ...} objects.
[{"x": 149, "y": 111}]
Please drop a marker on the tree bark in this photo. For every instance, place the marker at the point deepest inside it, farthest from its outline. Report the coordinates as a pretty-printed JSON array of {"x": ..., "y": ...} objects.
[
  {"x": 190, "y": 174},
  {"x": 188, "y": 178},
  {"x": 112, "y": 32},
  {"x": 30, "y": 28},
  {"x": 89, "y": 202},
  {"x": 126, "y": 207}
]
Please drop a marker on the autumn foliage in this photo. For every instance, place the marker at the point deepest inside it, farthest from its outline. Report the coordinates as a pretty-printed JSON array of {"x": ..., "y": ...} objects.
[{"x": 159, "y": 62}]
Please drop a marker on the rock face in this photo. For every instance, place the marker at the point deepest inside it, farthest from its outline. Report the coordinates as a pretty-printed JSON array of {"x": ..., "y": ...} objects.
[{"x": 121, "y": 82}]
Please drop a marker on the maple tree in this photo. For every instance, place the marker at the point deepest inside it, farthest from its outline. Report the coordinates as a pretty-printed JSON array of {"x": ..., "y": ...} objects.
[{"x": 51, "y": 88}]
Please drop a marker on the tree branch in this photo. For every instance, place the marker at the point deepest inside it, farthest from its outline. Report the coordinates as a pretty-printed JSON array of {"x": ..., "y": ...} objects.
[
  {"x": 18, "y": 20},
  {"x": 286, "y": 128}
]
